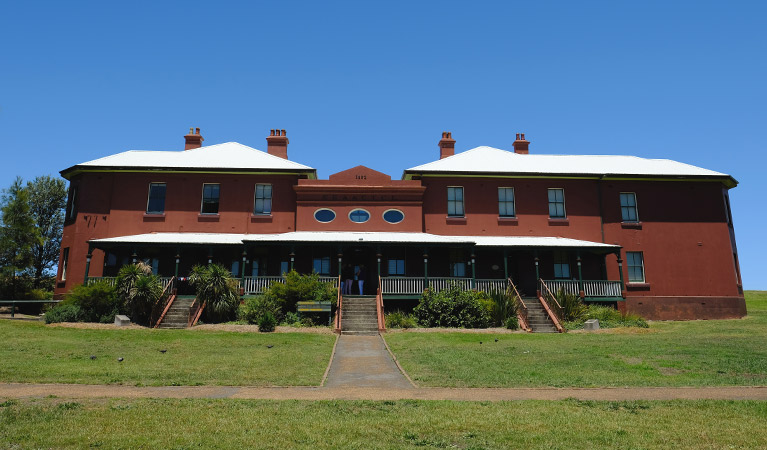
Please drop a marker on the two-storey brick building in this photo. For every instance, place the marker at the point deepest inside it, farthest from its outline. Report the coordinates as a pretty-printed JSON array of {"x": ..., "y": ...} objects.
[{"x": 650, "y": 236}]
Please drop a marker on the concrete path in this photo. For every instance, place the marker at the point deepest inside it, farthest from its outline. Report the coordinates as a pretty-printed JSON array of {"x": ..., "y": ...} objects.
[
  {"x": 82, "y": 391},
  {"x": 364, "y": 362}
]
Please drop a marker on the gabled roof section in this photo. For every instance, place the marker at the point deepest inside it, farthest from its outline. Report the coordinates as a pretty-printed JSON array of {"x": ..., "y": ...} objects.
[
  {"x": 227, "y": 157},
  {"x": 494, "y": 161}
]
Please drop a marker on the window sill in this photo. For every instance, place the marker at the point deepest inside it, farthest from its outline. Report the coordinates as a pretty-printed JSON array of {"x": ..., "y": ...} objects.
[
  {"x": 634, "y": 225},
  {"x": 456, "y": 220},
  {"x": 154, "y": 217},
  {"x": 261, "y": 217},
  {"x": 637, "y": 286},
  {"x": 559, "y": 221},
  {"x": 508, "y": 221},
  {"x": 208, "y": 217}
]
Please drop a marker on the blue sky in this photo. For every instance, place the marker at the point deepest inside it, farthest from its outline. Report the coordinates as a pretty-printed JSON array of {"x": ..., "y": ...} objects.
[{"x": 375, "y": 83}]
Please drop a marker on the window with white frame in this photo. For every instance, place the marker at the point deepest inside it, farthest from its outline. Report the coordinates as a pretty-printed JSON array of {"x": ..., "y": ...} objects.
[
  {"x": 263, "y": 201},
  {"x": 635, "y": 265},
  {"x": 72, "y": 203},
  {"x": 455, "y": 201},
  {"x": 557, "y": 203},
  {"x": 506, "y": 207},
  {"x": 629, "y": 207},
  {"x": 561, "y": 265},
  {"x": 155, "y": 203},
  {"x": 210, "y": 197},
  {"x": 64, "y": 264}
]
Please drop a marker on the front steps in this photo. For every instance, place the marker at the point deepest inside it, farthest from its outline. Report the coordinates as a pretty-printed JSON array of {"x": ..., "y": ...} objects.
[
  {"x": 178, "y": 314},
  {"x": 359, "y": 315},
  {"x": 537, "y": 319}
]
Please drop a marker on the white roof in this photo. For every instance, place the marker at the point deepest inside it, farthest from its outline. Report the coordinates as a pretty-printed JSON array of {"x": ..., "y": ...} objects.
[
  {"x": 349, "y": 237},
  {"x": 229, "y": 156},
  {"x": 494, "y": 160}
]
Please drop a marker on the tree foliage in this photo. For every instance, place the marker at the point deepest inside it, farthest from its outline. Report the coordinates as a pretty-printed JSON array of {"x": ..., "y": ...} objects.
[
  {"x": 18, "y": 234},
  {"x": 47, "y": 199},
  {"x": 216, "y": 289},
  {"x": 139, "y": 290}
]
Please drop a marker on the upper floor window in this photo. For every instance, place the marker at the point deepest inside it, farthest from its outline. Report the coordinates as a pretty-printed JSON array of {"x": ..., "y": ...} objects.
[
  {"x": 629, "y": 207},
  {"x": 72, "y": 203},
  {"x": 635, "y": 264},
  {"x": 155, "y": 204},
  {"x": 64, "y": 263},
  {"x": 397, "y": 267},
  {"x": 324, "y": 215},
  {"x": 359, "y": 216},
  {"x": 321, "y": 265},
  {"x": 557, "y": 203},
  {"x": 210, "y": 194},
  {"x": 455, "y": 201},
  {"x": 393, "y": 216},
  {"x": 561, "y": 265},
  {"x": 506, "y": 207},
  {"x": 263, "y": 202}
]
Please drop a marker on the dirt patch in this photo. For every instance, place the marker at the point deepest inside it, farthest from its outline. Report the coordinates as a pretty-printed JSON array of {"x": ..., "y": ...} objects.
[
  {"x": 96, "y": 326},
  {"x": 670, "y": 371},
  {"x": 619, "y": 330},
  {"x": 236, "y": 328}
]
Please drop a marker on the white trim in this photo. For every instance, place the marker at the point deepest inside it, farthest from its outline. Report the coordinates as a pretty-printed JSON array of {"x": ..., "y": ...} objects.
[
  {"x": 202, "y": 198},
  {"x": 271, "y": 196},
  {"x": 463, "y": 202},
  {"x": 636, "y": 207},
  {"x": 314, "y": 214},
  {"x": 564, "y": 203},
  {"x": 514, "y": 195},
  {"x": 149, "y": 196}
]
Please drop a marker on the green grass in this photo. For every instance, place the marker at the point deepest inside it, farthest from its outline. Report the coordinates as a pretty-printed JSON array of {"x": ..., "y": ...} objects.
[
  {"x": 31, "y": 352},
  {"x": 693, "y": 353},
  {"x": 569, "y": 424}
]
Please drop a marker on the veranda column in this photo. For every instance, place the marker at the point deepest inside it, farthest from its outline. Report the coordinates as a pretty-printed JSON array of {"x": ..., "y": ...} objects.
[
  {"x": 580, "y": 276},
  {"x": 88, "y": 264},
  {"x": 134, "y": 256},
  {"x": 505, "y": 264},
  {"x": 340, "y": 260},
  {"x": 473, "y": 271},
  {"x": 378, "y": 258},
  {"x": 537, "y": 276},
  {"x": 620, "y": 271},
  {"x": 425, "y": 270},
  {"x": 178, "y": 260},
  {"x": 292, "y": 260},
  {"x": 242, "y": 270}
]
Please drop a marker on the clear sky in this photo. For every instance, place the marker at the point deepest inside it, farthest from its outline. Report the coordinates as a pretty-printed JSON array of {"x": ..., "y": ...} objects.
[{"x": 375, "y": 83}]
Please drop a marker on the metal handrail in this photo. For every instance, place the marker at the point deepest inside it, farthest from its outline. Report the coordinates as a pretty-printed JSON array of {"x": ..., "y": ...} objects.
[
  {"x": 338, "y": 307},
  {"x": 521, "y": 308},
  {"x": 379, "y": 307},
  {"x": 170, "y": 287}
]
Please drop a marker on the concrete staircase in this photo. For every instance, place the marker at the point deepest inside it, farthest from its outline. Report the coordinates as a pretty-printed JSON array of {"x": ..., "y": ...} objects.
[
  {"x": 537, "y": 318},
  {"x": 178, "y": 314},
  {"x": 359, "y": 316}
]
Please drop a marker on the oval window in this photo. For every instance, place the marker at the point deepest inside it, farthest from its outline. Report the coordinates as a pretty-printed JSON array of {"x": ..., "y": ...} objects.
[
  {"x": 359, "y": 216},
  {"x": 324, "y": 215},
  {"x": 393, "y": 216}
]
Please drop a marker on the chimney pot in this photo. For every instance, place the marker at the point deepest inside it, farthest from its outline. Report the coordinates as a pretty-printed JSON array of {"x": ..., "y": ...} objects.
[
  {"x": 277, "y": 143},
  {"x": 196, "y": 131},
  {"x": 446, "y": 145},
  {"x": 193, "y": 140},
  {"x": 521, "y": 146}
]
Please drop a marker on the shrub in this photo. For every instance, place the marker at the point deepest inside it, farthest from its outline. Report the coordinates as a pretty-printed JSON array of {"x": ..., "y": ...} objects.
[
  {"x": 217, "y": 289},
  {"x": 138, "y": 290},
  {"x": 256, "y": 307},
  {"x": 452, "y": 307},
  {"x": 512, "y": 323},
  {"x": 399, "y": 319},
  {"x": 301, "y": 288},
  {"x": 267, "y": 322},
  {"x": 504, "y": 306},
  {"x": 608, "y": 318},
  {"x": 572, "y": 306},
  {"x": 292, "y": 319},
  {"x": 97, "y": 302},
  {"x": 63, "y": 313}
]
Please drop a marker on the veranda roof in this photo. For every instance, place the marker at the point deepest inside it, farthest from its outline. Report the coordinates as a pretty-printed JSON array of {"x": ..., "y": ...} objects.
[{"x": 351, "y": 237}]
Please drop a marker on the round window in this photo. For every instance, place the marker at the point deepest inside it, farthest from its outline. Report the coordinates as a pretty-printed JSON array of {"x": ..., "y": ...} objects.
[
  {"x": 393, "y": 216},
  {"x": 359, "y": 216},
  {"x": 324, "y": 215}
]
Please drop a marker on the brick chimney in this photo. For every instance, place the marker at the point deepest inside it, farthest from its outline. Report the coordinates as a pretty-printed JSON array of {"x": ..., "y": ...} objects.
[
  {"x": 277, "y": 143},
  {"x": 521, "y": 145},
  {"x": 446, "y": 145},
  {"x": 193, "y": 139}
]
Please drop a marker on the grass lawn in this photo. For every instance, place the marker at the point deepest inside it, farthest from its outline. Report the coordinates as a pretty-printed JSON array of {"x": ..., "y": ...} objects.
[
  {"x": 569, "y": 424},
  {"x": 31, "y": 352},
  {"x": 693, "y": 353}
]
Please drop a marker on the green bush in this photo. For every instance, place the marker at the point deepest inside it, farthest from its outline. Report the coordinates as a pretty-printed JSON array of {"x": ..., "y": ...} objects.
[
  {"x": 453, "y": 307},
  {"x": 512, "y": 323},
  {"x": 608, "y": 317},
  {"x": 301, "y": 288},
  {"x": 504, "y": 306},
  {"x": 255, "y": 308},
  {"x": 267, "y": 322},
  {"x": 398, "y": 319},
  {"x": 572, "y": 306},
  {"x": 292, "y": 319},
  {"x": 216, "y": 288},
  {"x": 97, "y": 302},
  {"x": 63, "y": 313}
]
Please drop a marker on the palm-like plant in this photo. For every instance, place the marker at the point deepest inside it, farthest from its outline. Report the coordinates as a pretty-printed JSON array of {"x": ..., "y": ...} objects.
[
  {"x": 129, "y": 275},
  {"x": 139, "y": 290},
  {"x": 216, "y": 289}
]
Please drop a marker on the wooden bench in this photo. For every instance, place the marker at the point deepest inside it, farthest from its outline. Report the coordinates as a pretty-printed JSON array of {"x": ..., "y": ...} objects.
[{"x": 307, "y": 307}]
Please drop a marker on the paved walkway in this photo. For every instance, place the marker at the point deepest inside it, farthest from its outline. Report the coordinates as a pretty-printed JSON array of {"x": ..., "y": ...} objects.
[
  {"x": 364, "y": 362},
  {"x": 81, "y": 391}
]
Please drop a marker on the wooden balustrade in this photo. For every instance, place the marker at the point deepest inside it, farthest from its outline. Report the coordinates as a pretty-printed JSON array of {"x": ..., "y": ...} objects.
[{"x": 591, "y": 288}]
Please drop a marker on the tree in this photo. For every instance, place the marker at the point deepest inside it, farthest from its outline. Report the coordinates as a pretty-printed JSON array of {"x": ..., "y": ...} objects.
[
  {"x": 47, "y": 199},
  {"x": 18, "y": 234},
  {"x": 217, "y": 290}
]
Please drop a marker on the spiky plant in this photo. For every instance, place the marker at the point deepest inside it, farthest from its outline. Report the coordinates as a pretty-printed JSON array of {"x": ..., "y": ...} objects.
[
  {"x": 145, "y": 292},
  {"x": 216, "y": 289}
]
